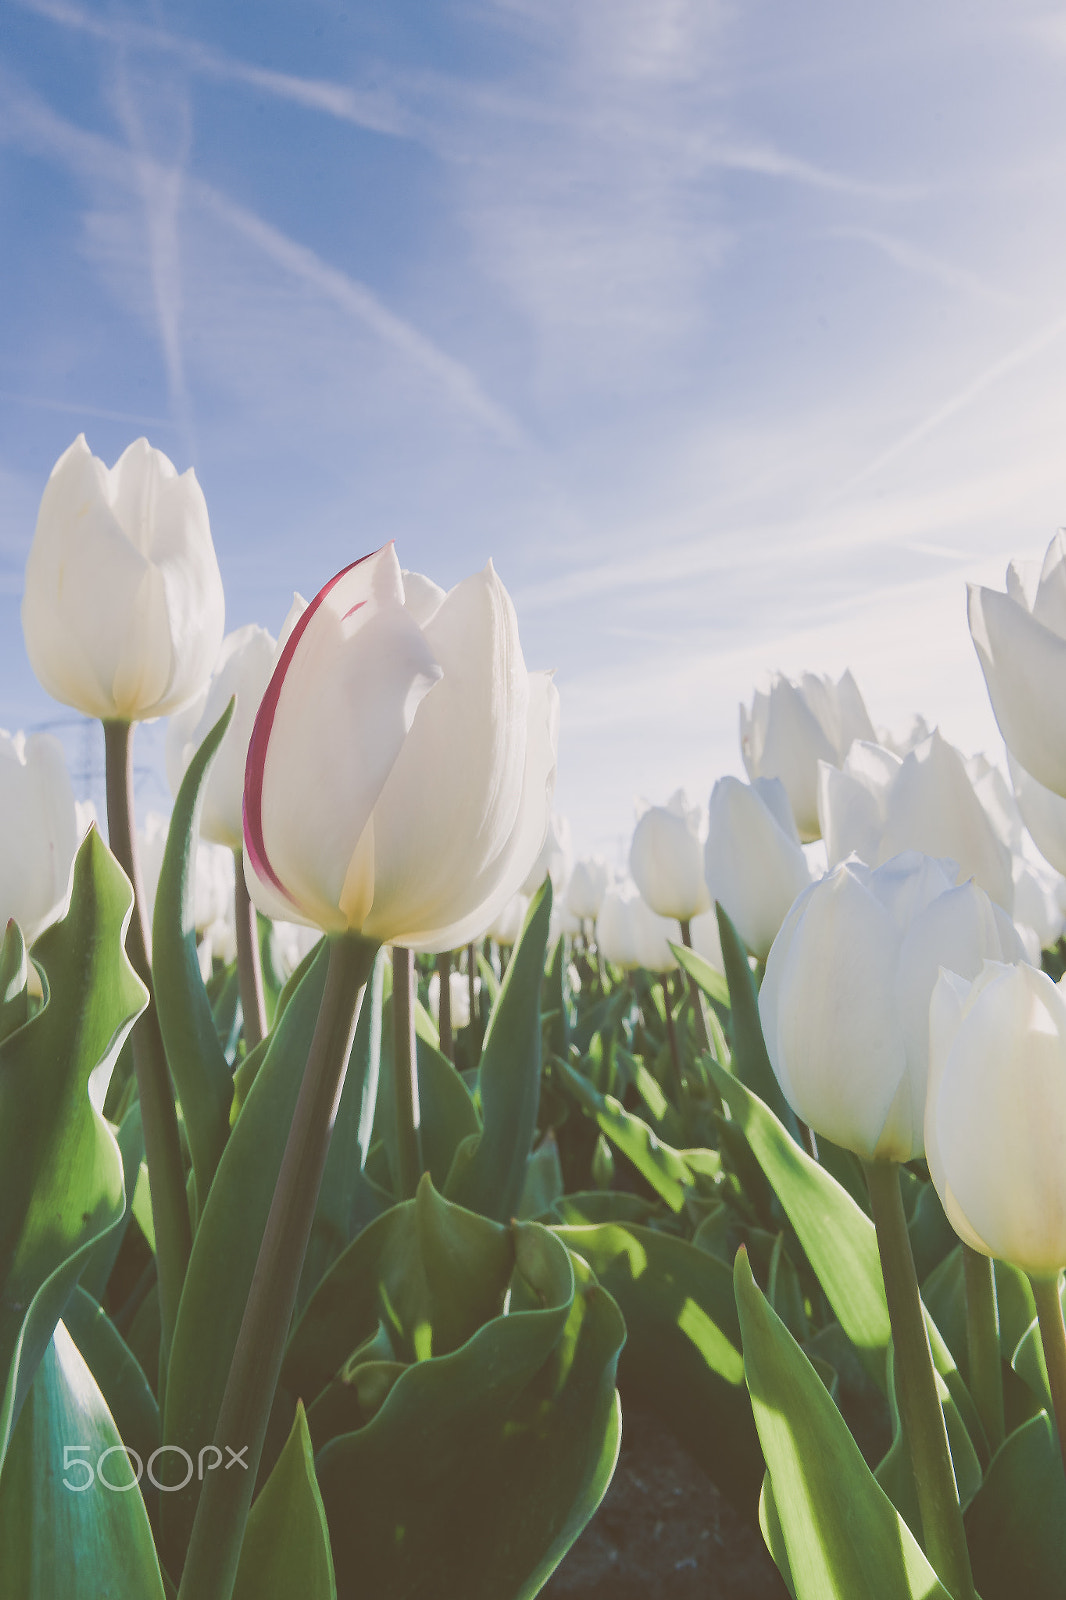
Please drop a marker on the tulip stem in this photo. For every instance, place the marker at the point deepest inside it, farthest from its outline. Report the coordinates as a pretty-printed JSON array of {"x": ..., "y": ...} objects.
[
  {"x": 920, "y": 1412},
  {"x": 703, "y": 1032},
  {"x": 982, "y": 1343},
  {"x": 159, "y": 1120},
  {"x": 444, "y": 1005},
  {"x": 471, "y": 979},
  {"x": 671, "y": 1034},
  {"x": 249, "y": 967},
  {"x": 405, "y": 1074},
  {"x": 218, "y": 1529},
  {"x": 1053, "y": 1339}
]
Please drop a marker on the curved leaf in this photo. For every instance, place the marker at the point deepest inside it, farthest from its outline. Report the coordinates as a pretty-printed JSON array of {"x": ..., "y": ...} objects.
[
  {"x": 190, "y": 1036},
  {"x": 286, "y": 1542},
  {"x": 60, "y": 1168}
]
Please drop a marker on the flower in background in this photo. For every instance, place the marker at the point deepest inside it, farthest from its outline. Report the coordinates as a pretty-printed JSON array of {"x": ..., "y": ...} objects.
[
  {"x": 666, "y": 859},
  {"x": 1020, "y": 639},
  {"x": 586, "y": 889},
  {"x": 995, "y": 1120},
  {"x": 123, "y": 606},
  {"x": 754, "y": 862},
  {"x": 795, "y": 724},
  {"x": 845, "y": 999},
  {"x": 243, "y": 668},
  {"x": 400, "y": 772},
  {"x": 459, "y": 994},
  {"x": 553, "y": 860},
  {"x": 507, "y": 923},
  {"x": 629, "y": 934},
  {"x": 40, "y": 833},
  {"x": 877, "y": 806},
  {"x": 213, "y": 892}
]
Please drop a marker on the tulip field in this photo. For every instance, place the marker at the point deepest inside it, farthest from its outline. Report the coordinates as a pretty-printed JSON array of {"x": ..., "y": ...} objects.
[{"x": 364, "y": 1157}]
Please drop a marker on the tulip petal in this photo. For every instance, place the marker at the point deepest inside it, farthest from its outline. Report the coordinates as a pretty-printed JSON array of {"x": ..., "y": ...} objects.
[
  {"x": 447, "y": 813},
  {"x": 1024, "y": 664},
  {"x": 330, "y": 728}
]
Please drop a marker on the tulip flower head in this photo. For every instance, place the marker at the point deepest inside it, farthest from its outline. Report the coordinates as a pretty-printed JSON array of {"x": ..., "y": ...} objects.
[
  {"x": 123, "y": 608},
  {"x": 795, "y": 724},
  {"x": 1020, "y": 639},
  {"x": 845, "y": 999},
  {"x": 754, "y": 862},
  {"x": 666, "y": 859},
  {"x": 400, "y": 773},
  {"x": 995, "y": 1121}
]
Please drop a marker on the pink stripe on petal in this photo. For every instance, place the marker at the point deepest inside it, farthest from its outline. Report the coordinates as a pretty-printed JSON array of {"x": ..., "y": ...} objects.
[{"x": 254, "y": 842}]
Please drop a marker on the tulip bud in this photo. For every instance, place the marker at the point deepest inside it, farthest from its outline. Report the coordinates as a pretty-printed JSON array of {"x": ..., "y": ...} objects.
[
  {"x": 586, "y": 889},
  {"x": 243, "y": 668},
  {"x": 123, "y": 608},
  {"x": 40, "y": 833},
  {"x": 877, "y": 806},
  {"x": 995, "y": 1121},
  {"x": 792, "y": 727},
  {"x": 400, "y": 774},
  {"x": 754, "y": 862},
  {"x": 666, "y": 860},
  {"x": 1043, "y": 812},
  {"x": 845, "y": 999},
  {"x": 629, "y": 934}
]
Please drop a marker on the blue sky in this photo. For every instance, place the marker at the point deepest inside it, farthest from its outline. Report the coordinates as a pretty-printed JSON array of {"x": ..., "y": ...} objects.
[{"x": 735, "y": 334}]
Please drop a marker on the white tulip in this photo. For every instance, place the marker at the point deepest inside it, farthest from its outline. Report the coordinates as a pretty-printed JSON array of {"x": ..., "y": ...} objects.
[
  {"x": 877, "y": 806},
  {"x": 995, "y": 1120},
  {"x": 123, "y": 607},
  {"x": 40, "y": 831},
  {"x": 458, "y": 994},
  {"x": 753, "y": 859},
  {"x": 666, "y": 859},
  {"x": 1020, "y": 638},
  {"x": 845, "y": 999},
  {"x": 586, "y": 889},
  {"x": 795, "y": 724}
]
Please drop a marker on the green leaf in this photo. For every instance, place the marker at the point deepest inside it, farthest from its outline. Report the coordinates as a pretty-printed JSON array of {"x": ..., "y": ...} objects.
[
  {"x": 682, "y": 1355},
  {"x": 480, "y": 1464},
  {"x": 751, "y": 1064},
  {"x": 97, "y": 1269},
  {"x": 660, "y": 1164},
  {"x": 1016, "y": 1524},
  {"x": 194, "y": 1053},
  {"x": 226, "y": 1248},
  {"x": 838, "y": 1237},
  {"x": 62, "y": 1531},
  {"x": 701, "y": 972},
  {"x": 446, "y": 1109},
  {"x": 544, "y": 1181},
  {"x": 117, "y": 1371},
  {"x": 491, "y": 1177},
  {"x": 286, "y": 1542},
  {"x": 60, "y": 1169},
  {"x": 842, "y": 1534}
]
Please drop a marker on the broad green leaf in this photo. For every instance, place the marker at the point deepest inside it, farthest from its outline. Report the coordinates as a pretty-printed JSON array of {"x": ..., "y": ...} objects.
[
  {"x": 895, "y": 1473},
  {"x": 194, "y": 1054},
  {"x": 751, "y": 1064},
  {"x": 837, "y": 1236},
  {"x": 659, "y": 1164},
  {"x": 491, "y": 1176},
  {"x": 544, "y": 1181},
  {"x": 286, "y": 1550},
  {"x": 591, "y": 1206},
  {"x": 712, "y": 983},
  {"x": 63, "y": 1531},
  {"x": 226, "y": 1248},
  {"x": 842, "y": 1534},
  {"x": 480, "y": 1467},
  {"x": 682, "y": 1356},
  {"x": 1016, "y": 1524},
  {"x": 60, "y": 1168},
  {"x": 773, "y": 1533},
  {"x": 558, "y": 1040},
  {"x": 117, "y": 1371},
  {"x": 97, "y": 1269}
]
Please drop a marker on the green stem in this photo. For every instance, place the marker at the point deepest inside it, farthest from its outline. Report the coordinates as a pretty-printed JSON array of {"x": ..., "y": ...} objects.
[
  {"x": 471, "y": 981},
  {"x": 703, "y": 1033},
  {"x": 1053, "y": 1339},
  {"x": 405, "y": 1073},
  {"x": 923, "y": 1420},
  {"x": 671, "y": 1034},
  {"x": 159, "y": 1120},
  {"x": 982, "y": 1343},
  {"x": 218, "y": 1530},
  {"x": 249, "y": 966},
  {"x": 444, "y": 1005}
]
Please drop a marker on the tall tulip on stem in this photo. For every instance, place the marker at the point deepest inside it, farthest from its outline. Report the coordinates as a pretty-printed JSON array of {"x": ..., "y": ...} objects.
[{"x": 363, "y": 703}]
